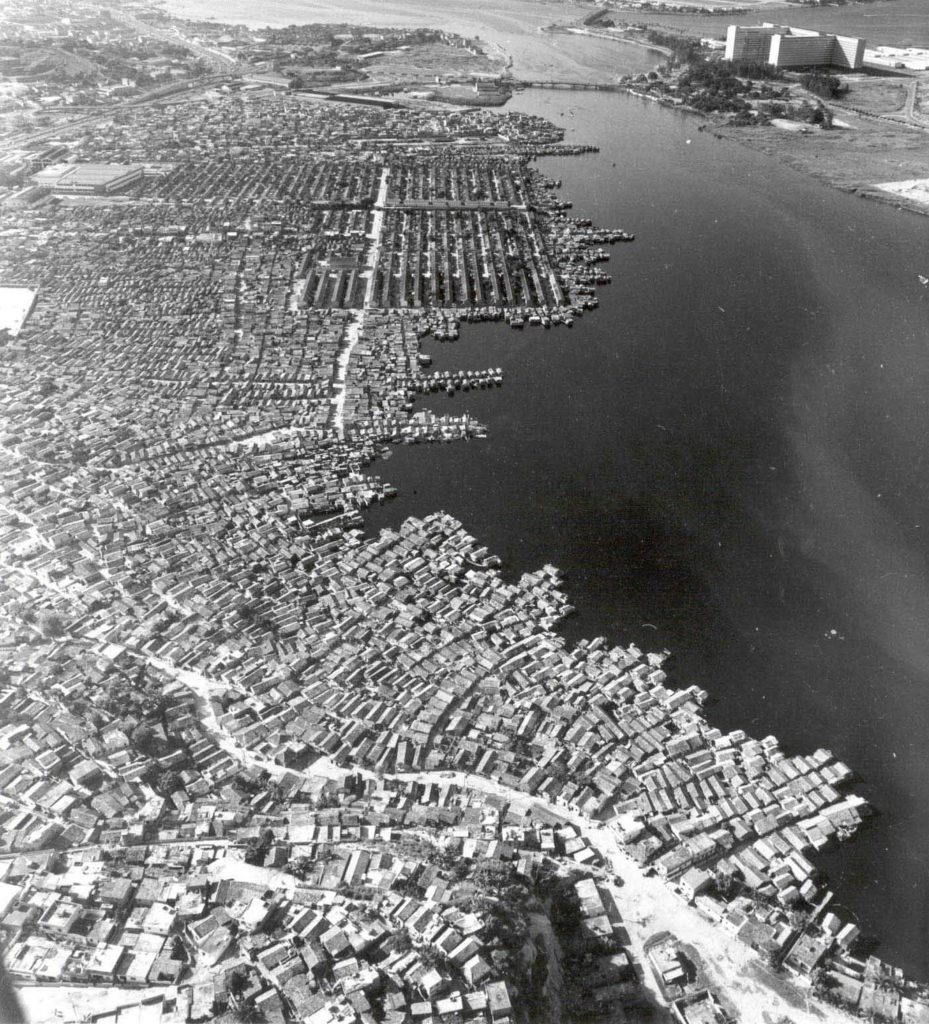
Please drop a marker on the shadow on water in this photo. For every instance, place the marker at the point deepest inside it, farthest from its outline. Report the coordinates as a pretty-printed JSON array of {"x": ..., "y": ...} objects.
[{"x": 726, "y": 459}]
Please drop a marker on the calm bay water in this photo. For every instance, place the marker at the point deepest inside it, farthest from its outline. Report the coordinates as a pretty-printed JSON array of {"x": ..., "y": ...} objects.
[{"x": 729, "y": 459}]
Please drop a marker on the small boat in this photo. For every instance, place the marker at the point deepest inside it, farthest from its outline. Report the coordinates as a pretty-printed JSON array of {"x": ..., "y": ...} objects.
[{"x": 923, "y": 279}]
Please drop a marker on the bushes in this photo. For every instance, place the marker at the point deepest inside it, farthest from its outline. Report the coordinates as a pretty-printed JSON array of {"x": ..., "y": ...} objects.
[
  {"x": 713, "y": 87},
  {"x": 51, "y": 625},
  {"x": 168, "y": 782},
  {"x": 685, "y": 50},
  {"x": 827, "y": 86},
  {"x": 750, "y": 69},
  {"x": 566, "y": 914}
]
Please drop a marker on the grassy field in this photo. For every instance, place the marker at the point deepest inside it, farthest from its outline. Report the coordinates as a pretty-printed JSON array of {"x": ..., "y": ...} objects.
[
  {"x": 856, "y": 158},
  {"x": 424, "y": 63},
  {"x": 876, "y": 95}
]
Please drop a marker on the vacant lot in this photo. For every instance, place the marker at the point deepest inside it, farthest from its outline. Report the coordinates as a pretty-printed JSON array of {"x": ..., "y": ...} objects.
[
  {"x": 876, "y": 95},
  {"x": 425, "y": 63},
  {"x": 857, "y": 158}
]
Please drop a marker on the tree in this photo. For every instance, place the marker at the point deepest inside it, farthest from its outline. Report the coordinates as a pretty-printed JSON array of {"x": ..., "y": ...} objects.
[
  {"x": 566, "y": 913},
  {"x": 237, "y": 982},
  {"x": 827, "y": 86},
  {"x": 432, "y": 956},
  {"x": 302, "y": 866},
  {"x": 168, "y": 782},
  {"x": 491, "y": 877},
  {"x": 461, "y": 869},
  {"x": 51, "y": 625},
  {"x": 823, "y": 981},
  {"x": 504, "y": 962},
  {"x": 799, "y": 918},
  {"x": 257, "y": 847},
  {"x": 144, "y": 739},
  {"x": 80, "y": 453}
]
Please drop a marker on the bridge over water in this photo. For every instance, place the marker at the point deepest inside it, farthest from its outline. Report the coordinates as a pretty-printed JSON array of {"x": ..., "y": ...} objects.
[{"x": 550, "y": 84}]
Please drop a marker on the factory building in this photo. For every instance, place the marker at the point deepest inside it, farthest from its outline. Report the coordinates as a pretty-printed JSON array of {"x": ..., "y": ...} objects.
[
  {"x": 786, "y": 47},
  {"x": 88, "y": 178}
]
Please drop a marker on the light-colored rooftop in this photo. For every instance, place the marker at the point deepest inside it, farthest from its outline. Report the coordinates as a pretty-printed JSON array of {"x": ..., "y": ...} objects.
[
  {"x": 82, "y": 175},
  {"x": 15, "y": 306}
]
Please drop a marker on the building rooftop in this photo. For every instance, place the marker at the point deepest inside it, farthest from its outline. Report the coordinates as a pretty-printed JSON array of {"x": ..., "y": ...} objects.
[
  {"x": 15, "y": 307},
  {"x": 82, "y": 175}
]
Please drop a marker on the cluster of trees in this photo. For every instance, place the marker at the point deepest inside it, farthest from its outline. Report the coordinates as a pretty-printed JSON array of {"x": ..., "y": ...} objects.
[
  {"x": 256, "y": 849},
  {"x": 322, "y": 76},
  {"x": 808, "y": 112},
  {"x": 453, "y": 864},
  {"x": 756, "y": 70},
  {"x": 505, "y": 900},
  {"x": 168, "y": 781},
  {"x": 51, "y": 625},
  {"x": 83, "y": 63},
  {"x": 565, "y": 910},
  {"x": 820, "y": 84},
  {"x": 713, "y": 87},
  {"x": 138, "y": 695},
  {"x": 685, "y": 49}
]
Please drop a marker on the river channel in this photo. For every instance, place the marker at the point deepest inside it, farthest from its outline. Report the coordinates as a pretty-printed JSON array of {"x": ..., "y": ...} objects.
[{"x": 728, "y": 459}]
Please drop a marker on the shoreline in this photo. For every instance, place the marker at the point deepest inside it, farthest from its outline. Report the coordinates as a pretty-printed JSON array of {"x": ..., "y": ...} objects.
[
  {"x": 541, "y": 58},
  {"x": 541, "y": 92},
  {"x": 730, "y": 133},
  {"x": 544, "y": 607},
  {"x": 724, "y": 130}
]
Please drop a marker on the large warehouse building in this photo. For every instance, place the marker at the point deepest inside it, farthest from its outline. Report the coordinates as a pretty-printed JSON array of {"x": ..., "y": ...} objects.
[
  {"x": 786, "y": 47},
  {"x": 88, "y": 178}
]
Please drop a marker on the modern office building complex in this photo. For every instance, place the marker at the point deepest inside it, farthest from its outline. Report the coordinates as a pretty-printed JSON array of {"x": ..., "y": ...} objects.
[{"x": 786, "y": 47}]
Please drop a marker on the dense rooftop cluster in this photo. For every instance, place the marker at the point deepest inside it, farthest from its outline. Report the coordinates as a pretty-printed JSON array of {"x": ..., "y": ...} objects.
[
  {"x": 203, "y": 652},
  {"x": 390, "y": 901}
]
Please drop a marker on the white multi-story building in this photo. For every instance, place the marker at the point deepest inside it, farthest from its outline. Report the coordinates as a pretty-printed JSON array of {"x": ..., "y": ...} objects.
[{"x": 786, "y": 47}]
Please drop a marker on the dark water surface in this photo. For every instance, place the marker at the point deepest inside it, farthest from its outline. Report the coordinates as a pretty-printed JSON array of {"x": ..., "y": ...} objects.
[{"x": 732, "y": 449}]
